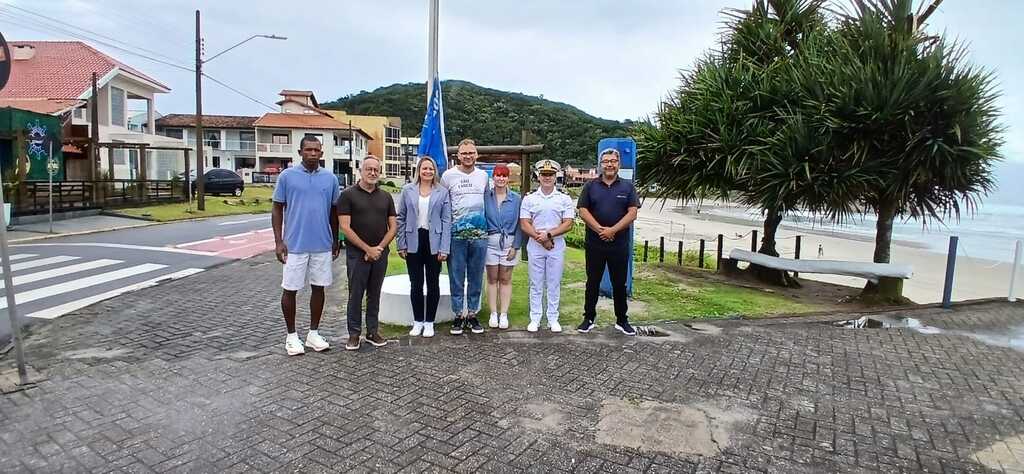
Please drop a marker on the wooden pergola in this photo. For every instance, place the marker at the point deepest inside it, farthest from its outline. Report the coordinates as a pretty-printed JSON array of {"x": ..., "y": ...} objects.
[{"x": 504, "y": 154}]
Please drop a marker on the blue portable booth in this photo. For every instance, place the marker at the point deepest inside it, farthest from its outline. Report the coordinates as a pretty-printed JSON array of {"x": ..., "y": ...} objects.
[{"x": 627, "y": 162}]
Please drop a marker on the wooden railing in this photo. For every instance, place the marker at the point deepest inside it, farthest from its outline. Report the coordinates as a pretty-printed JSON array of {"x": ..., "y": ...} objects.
[{"x": 78, "y": 195}]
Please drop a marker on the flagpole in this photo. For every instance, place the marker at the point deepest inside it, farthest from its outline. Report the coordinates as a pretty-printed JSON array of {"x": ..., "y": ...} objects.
[{"x": 432, "y": 51}]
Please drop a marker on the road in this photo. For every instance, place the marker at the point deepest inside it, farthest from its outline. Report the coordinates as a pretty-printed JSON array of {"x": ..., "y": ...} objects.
[{"x": 53, "y": 277}]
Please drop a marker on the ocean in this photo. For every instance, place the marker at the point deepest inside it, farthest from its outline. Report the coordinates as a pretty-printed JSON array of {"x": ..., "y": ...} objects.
[{"x": 990, "y": 233}]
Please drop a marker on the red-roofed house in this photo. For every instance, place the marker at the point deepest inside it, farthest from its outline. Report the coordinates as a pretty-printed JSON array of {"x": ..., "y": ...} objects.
[
  {"x": 55, "y": 77},
  {"x": 278, "y": 136}
]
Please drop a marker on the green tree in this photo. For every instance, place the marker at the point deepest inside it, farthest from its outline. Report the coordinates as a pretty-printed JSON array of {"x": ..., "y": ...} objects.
[{"x": 909, "y": 107}]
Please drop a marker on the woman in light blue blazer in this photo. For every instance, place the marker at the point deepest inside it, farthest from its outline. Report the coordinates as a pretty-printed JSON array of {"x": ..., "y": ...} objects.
[{"x": 424, "y": 241}]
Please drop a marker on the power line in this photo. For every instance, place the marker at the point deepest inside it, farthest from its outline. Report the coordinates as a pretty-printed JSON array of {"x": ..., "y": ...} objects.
[
  {"x": 44, "y": 28},
  {"x": 87, "y": 31},
  {"x": 13, "y": 19},
  {"x": 243, "y": 94}
]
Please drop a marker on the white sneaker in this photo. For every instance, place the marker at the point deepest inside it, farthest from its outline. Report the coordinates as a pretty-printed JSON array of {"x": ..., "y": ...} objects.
[
  {"x": 293, "y": 346},
  {"x": 428, "y": 329},
  {"x": 555, "y": 327},
  {"x": 503, "y": 321},
  {"x": 417, "y": 329},
  {"x": 533, "y": 327},
  {"x": 493, "y": 321},
  {"x": 316, "y": 342}
]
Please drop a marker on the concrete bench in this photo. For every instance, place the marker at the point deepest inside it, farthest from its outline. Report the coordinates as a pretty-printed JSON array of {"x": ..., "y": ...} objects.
[
  {"x": 889, "y": 276},
  {"x": 395, "y": 307}
]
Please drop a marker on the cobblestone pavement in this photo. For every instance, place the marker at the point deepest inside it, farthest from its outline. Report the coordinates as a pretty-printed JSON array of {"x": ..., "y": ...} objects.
[{"x": 191, "y": 376}]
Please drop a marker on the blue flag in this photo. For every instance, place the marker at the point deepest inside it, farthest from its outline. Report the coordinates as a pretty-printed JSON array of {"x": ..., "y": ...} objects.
[{"x": 432, "y": 141}]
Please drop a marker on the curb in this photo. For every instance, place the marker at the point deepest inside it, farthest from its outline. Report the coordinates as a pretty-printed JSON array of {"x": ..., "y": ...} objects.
[{"x": 83, "y": 232}]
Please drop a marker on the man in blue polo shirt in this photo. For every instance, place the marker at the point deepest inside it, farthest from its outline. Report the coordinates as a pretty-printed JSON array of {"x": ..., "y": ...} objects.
[
  {"x": 608, "y": 206},
  {"x": 305, "y": 200}
]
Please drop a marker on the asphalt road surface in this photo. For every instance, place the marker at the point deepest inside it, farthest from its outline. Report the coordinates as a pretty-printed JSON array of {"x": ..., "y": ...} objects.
[{"x": 53, "y": 277}]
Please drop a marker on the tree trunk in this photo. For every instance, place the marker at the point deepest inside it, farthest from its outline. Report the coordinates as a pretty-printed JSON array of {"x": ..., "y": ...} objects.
[
  {"x": 883, "y": 238},
  {"x": 771, "y": 227},
  {"x": 772, "y": 275}
]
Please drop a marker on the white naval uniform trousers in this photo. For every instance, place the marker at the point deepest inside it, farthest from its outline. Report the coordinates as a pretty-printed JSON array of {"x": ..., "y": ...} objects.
[{"x": 546, "y": 266}]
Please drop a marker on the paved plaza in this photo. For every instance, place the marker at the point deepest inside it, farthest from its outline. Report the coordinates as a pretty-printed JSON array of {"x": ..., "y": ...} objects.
[{"x": 190, "y": 376}]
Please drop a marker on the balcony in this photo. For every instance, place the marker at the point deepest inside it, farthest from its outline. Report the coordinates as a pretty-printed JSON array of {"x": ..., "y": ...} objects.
[
  {"x": 280, "y": 148},
  {"x": 226, "y": 145}
]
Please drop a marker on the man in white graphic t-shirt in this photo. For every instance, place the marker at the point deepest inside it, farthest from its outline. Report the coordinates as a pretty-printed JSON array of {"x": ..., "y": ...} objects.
[{"x": 467, "y": 186}]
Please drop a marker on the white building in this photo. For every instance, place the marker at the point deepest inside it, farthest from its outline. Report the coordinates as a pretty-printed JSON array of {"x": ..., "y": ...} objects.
[
  {"x": 229, "y": 140},
  {"x": 55, "y": 77}
]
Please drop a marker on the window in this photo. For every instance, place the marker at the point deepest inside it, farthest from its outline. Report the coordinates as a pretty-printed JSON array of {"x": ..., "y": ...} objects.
[
  {"x": 117, "y": 103},
  {"x": 211, "y": 138},
  {"x": 247, "y": 140},
  {"x": 82, "y": 113},
  {"x": 216, "y": 162},
  {"x": 174, "y": 133},
  {"x": 392, "y": 135},
  {"x": 281, "y": 138},
  {"x": 392, "y": 153}
]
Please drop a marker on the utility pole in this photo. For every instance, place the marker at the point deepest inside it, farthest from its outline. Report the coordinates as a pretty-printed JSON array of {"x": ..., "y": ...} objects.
[
  {"x": 351, "y": 143},
  {"x": 200, "y": 181},
  {"x": 94, "y": 142}
]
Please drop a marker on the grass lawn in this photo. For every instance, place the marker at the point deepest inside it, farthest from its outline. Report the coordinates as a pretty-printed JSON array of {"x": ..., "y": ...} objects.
[
  {"x": 255, "y": 199},
  {"x": 659, "y": 294}
]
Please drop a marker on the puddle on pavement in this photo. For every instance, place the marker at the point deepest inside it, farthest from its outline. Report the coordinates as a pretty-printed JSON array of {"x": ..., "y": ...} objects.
[{"x": 1011, "y": 338}]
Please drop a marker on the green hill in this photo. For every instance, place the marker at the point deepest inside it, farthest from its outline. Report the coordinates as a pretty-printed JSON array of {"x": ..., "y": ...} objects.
[{"x": 492, "y": 117}]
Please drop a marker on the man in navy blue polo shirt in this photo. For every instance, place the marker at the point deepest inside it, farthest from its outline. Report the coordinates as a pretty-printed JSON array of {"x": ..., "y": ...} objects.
[{"x": 608, "y": 206}]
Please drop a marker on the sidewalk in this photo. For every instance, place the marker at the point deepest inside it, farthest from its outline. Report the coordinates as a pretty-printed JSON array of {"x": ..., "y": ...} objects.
[
  {"x": 191, "y": 376},
  {"x": 74, "y": 226}
]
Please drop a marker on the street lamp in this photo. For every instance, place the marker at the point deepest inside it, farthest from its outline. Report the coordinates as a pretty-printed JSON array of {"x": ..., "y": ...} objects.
[
  {"x": 200, "y": 178},
  {"x": 407, "y": 170}
]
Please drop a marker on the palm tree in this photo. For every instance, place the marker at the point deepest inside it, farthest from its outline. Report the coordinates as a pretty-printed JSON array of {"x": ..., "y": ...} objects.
[
  {"x": 909, "y": 108},
  {"x": 719, "y": 134}
]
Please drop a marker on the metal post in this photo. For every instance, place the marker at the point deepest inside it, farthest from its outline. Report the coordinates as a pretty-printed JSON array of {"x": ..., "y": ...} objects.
[
  {"x": 721, "y": 243},
  {"x": 679, "y": 254},
  {"x": 797, "y": 255},
  {"x": 1013, "y": 270},
  {"x": 700, "y": 255},
  {"x": 12, "y": 306},
  {"x": 947, "y": 290},
  {"x": 753, "y": 241},
  {"x": 645, "y": 251},
  {"x": 200, "y": 188},
  {"x": 49, "y": 181},
  {"x": 661, "y": 249}
]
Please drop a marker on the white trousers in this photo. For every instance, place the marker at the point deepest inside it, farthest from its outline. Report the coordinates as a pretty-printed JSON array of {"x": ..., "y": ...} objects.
[{"x": 546, "y": 267}]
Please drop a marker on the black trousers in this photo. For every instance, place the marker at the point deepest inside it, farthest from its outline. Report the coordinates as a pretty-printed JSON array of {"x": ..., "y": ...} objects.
[
  {"x": 616, "y": 259},
  {"x": 422, "y": 264},
  {"x": 364, "y": 279}
]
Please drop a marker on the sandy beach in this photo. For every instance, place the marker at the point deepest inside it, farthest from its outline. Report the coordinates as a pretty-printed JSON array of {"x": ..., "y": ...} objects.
[{"x": 974, "y": 278}]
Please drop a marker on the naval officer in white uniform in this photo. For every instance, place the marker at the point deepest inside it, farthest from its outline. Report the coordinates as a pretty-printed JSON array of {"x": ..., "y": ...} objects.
[{"x": 546, "y": 216}]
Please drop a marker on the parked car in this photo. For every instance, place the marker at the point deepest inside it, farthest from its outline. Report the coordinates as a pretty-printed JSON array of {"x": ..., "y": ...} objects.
[{"x": 220, "y": 181}]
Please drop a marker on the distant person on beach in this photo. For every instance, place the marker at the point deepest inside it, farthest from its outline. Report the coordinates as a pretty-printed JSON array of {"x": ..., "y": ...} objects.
[
  {"x": 545, "y": 217},
  {"x": 467, "y": 186},
  {"x": 368, "y": 219},
  {"x": 608, "y": 206},
  {"x": 304, "y": 219},
  {"x": 504, "y": 237},
  {"x": 821, "y": 251},
  {"x": 424, "y": 241}
]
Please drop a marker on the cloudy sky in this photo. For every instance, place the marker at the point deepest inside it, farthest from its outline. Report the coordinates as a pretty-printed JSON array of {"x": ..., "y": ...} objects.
[{"x": 612, "y": 59}]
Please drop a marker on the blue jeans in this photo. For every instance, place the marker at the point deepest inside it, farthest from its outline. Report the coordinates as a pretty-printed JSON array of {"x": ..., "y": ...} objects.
[{"x": 466, "y": 264}]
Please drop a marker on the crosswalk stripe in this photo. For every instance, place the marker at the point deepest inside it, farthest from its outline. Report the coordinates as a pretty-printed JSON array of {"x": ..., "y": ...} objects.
[
  {"x": 56, "y": 272},
  {"x": 60, "y": 310},
  {"x": 41, "y": 262},
  {"x": 78, "y": 284},
  {"x": 23, "y": 255}
]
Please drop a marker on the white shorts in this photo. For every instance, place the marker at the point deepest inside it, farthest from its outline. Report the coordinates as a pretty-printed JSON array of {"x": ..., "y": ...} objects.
[
  {"x": 497, "y": 254},
  {"x": 299, "y": 266}
]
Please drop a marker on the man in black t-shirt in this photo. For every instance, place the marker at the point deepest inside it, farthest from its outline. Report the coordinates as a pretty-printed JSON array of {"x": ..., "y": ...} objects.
[
  {"x": 368, "y": 219},
  {"x": 608, "y": 206}
]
